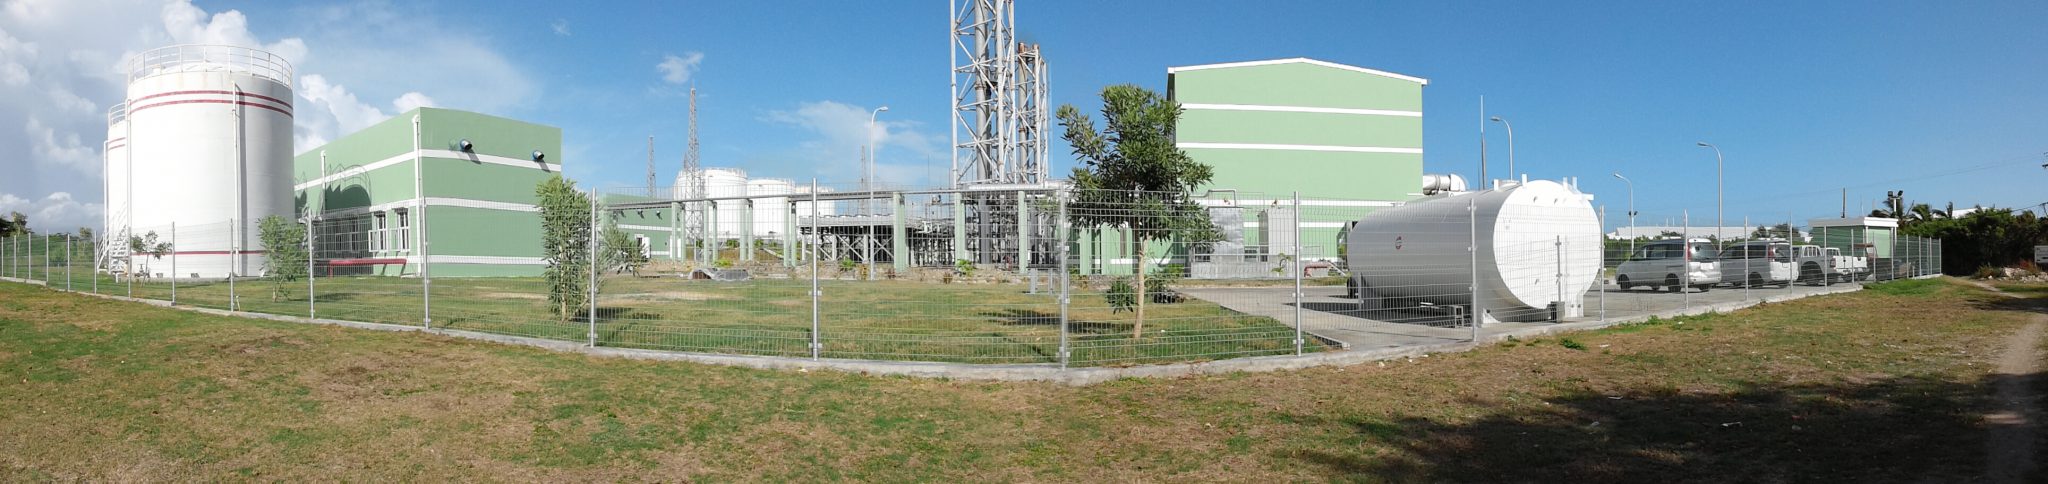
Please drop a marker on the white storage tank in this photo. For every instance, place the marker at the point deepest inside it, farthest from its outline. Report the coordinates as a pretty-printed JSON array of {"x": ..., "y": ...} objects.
[
  {"x": 726, "y": 183},
  {"x": 1539, "y": 249},
  {"x": 772, "y": 205},
  {"x": 210, "y": 149}
]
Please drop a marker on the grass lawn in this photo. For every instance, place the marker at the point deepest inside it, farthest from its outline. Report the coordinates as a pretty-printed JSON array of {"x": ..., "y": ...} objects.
[
  {"x": 883, "y": 320},
  {"x": 1880, "y": 385}
]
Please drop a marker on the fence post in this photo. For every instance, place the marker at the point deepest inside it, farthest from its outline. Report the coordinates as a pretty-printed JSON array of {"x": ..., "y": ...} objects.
[
  {"x": 1478, "y": 305},
  {"x": 95, "y": 265},
  {"x": 1600, "y": 277},
  {"x": 1558, "y": 308},
  {"x": 590, "y": 291},
  {"x": 174, "y": 269},
  {"x": 816, "y": 344},
  {"x": 1066, "y": 351},
  {"x": 312, "y": 311},
  {"x": 1685, "y": 244},
  {"x": 1298, "y": 269},
  {"x": 234, "y": 257},
  {"x": 69, "y": 259}
]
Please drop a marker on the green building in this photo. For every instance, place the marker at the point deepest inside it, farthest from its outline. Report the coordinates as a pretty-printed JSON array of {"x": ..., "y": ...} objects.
[
  {"x": 1348, "y": 139},
  {"x": 462, "y": 180}
]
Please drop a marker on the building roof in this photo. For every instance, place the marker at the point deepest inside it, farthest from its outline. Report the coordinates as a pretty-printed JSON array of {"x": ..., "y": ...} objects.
[
  {"x": 1855, "y": 222},
  {"x": 1656, "y": 231},
  {"x": 1299, "y": 60}
]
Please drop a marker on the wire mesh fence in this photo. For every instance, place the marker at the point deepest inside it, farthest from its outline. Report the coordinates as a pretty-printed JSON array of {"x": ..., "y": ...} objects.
[{"x": 1032, "y": 276}]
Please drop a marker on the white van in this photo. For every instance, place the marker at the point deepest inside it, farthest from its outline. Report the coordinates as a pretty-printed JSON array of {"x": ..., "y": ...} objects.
[
  {"x": 1757, "y": 263},
  {"x": 1670, "y": 264}
]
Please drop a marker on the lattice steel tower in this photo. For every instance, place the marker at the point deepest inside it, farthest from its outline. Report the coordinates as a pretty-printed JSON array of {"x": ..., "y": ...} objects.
[{"x": 999, "y": 95}]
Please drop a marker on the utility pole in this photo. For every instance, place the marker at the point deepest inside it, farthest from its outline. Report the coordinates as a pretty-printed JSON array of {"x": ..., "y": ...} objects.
[{"x": 650, "y": 166}]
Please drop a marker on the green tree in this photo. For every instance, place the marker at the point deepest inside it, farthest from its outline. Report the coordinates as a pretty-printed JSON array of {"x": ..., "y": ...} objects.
[
  {"x": 565, "y": 244},
  {"x": 14, "y": 224},
  {"x": 284, "y": 243},
  {"x": 149, "y": 246},
  {"x": 1132, "y": 175}
]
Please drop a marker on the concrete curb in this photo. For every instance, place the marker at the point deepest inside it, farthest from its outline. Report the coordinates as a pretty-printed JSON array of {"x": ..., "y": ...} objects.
[{"x": 1045, "y": 372}]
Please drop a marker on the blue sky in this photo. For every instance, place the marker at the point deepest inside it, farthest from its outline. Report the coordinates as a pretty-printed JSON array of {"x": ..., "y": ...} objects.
[{"x": 1943, "y": 100}]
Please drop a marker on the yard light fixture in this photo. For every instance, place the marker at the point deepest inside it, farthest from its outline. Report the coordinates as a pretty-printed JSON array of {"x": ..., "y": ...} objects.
[
  {"x": 1512, "y": 175},
  {"x": 1720, "y": 194},
  {"x": 1631, "y": 210}
]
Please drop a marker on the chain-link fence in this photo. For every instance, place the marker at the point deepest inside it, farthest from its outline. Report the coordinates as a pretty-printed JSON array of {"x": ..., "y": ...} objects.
[{"x": 1036, "y": 276}]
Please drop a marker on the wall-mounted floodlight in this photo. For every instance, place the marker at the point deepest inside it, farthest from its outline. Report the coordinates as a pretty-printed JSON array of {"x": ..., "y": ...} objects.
[
  {"x": 465, "y": 146},
  {"x": 539, "y": 156}
]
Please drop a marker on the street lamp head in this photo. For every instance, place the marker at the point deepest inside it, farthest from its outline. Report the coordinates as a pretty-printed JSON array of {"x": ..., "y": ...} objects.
[
  {"x": 1618, "y": 175},
  {"x": 1704, "y": 144},
  {"x": 883, "y": 108},
  {"x": 1497, "y": 119}
]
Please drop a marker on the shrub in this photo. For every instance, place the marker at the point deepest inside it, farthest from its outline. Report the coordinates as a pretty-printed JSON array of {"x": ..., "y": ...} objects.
[{"x": 1121, "y": 296}]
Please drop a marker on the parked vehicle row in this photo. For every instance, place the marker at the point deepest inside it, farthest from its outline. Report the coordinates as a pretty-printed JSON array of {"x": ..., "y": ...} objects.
[{"x": 1674, "y": 265}]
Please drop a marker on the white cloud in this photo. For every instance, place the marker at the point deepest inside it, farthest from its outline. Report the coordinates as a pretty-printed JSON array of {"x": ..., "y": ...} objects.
[
  {"x": 187, "y": 24},
  {"x": 840, "y": 132},
  {"x": 64, "y": 150},
  {"x": 560, "y": 26},
  {"x": 61, "y": 66},
  {"x": 57, "y": 212},
  {"x": 412, "y": 100},
  {"x": 678, "y": 70}
]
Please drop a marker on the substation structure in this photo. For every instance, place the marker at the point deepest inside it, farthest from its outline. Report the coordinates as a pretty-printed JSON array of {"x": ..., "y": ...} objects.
[{"x": 1012, "y": 227}]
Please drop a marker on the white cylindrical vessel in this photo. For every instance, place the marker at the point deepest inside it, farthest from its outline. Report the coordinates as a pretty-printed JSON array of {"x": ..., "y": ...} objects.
[
  {"x": 725, "y": 183},
  {"x": 1539, "y": 246},
  {"x": 771, "y": 203},
  {"x": 210, "y": 139}
]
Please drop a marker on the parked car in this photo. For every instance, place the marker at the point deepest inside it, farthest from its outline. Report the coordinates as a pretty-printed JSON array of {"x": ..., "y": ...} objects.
[
  {"x": 1849, "y": 267},
  {"x": 1672, "y": 265},
  {"x": 1818, "y": 265},
  {"x": 1757, "y": 263}
]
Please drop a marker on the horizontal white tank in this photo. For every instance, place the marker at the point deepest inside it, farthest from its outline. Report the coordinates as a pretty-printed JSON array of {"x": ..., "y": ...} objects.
[
  {"x": 771, "y": 209},
  {"x": 210, "y": 139},
  {"x": 1539, "y": 244}
]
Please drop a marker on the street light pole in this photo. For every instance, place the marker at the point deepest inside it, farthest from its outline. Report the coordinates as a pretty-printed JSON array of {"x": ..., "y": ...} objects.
[
  {"x": 867, "y": 173},
  {"x": 1631, "y": 210},
  {"x": 1512, "y": 174},
  {"x": 1720, "y": 194},
  {"x": 867, "y": 178}
]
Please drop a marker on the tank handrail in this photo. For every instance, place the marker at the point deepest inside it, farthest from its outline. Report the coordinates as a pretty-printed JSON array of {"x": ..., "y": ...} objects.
[
  {"x": 117, "y": 113},
  {"x": 254, "y": 61}
]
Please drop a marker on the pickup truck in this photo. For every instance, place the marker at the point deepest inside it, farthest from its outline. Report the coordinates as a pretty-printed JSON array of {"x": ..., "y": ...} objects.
[{"x": 1819, "y": 265}]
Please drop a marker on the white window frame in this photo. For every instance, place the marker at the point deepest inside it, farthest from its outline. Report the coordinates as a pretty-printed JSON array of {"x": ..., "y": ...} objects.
[
  {"x": 377, "y": 232},
  {"x": 402, "y": 241}
]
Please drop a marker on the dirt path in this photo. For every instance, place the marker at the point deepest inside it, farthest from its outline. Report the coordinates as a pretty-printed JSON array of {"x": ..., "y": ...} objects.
[{"x": 2010, "y": 446}]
